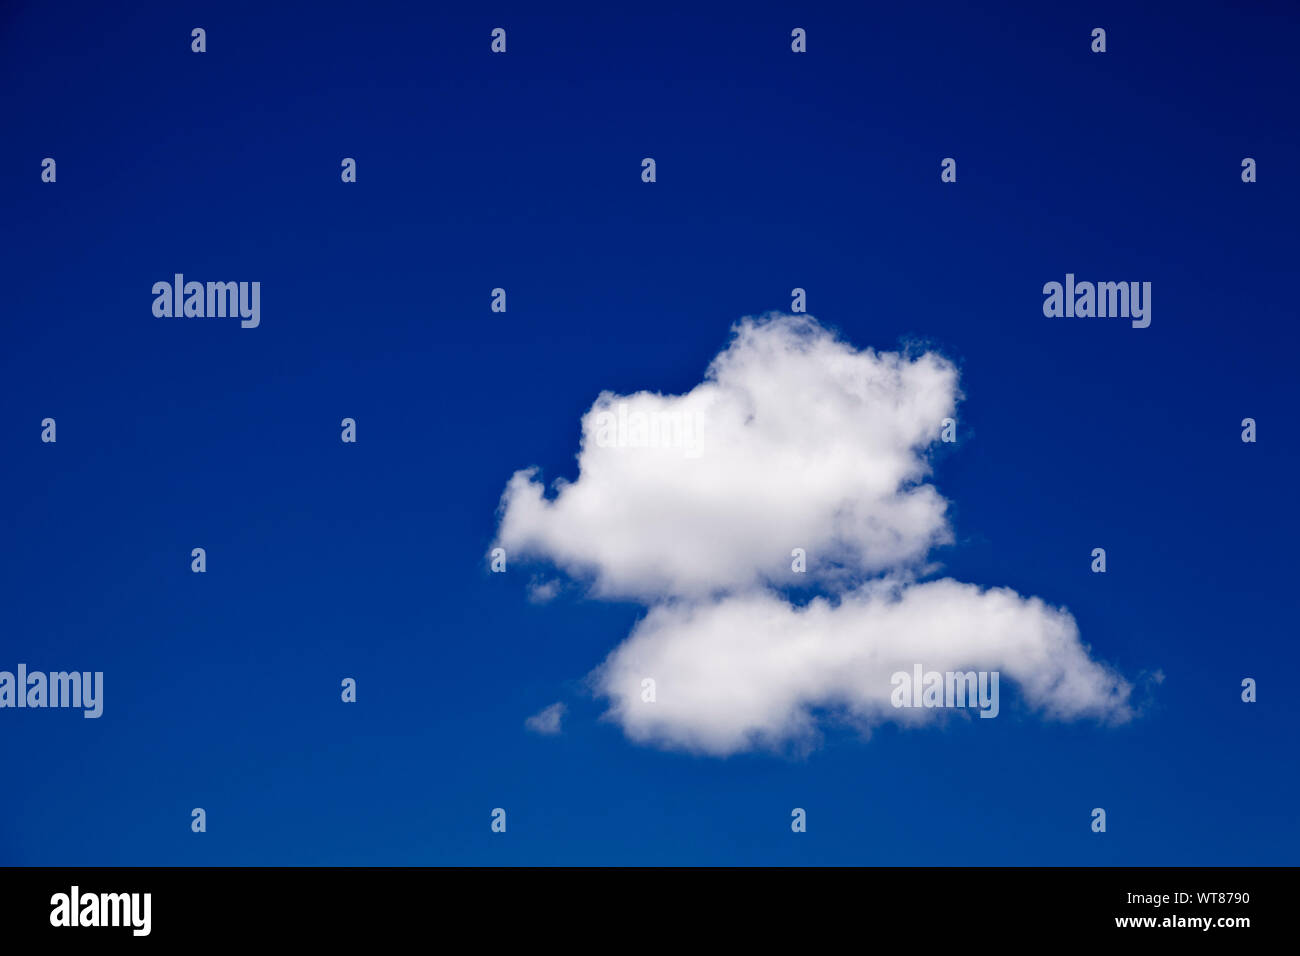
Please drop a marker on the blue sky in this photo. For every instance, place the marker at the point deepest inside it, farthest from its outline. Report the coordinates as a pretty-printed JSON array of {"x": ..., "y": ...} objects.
[{"x": 522, "y": 171}]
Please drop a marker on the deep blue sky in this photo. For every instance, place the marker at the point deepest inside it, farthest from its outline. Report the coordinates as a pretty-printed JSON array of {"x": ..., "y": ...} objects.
[{"x": 775, "y": 170}]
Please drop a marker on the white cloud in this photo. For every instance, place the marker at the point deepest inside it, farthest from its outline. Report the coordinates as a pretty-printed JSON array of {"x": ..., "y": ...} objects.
[
  {"x": 750, "y": 670},
  {"x": 547, "y": 720},
  {"x": 806, "y": 442}
]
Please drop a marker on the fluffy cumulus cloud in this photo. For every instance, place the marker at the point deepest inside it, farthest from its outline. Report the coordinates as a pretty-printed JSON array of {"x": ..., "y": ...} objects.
[
  {"x": 694, "y": 503},
  {"x": 793, "y": 439},
  {"x": 753, "y": 670}
]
